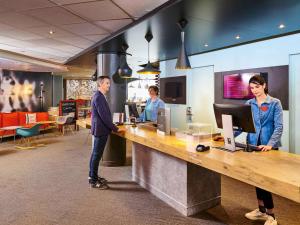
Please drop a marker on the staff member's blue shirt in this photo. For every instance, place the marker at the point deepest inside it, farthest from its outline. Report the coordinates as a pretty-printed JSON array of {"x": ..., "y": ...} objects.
[
  {"x": 268, "y": 121},
  {"x": 151, "y": 110}
]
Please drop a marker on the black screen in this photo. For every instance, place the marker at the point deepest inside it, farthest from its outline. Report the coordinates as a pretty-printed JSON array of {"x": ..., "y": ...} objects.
[
  {"x": 241, "y": 116},
  {"x": 173, "y": 89}
]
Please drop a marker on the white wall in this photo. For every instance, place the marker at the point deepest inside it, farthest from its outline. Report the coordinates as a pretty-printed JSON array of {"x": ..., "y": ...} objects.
[
  {"x": 294, "y": 96},
  {"x": 274, "y": 52}
]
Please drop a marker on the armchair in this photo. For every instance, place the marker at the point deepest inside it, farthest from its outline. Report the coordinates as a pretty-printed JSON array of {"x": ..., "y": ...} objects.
[
  {"x": 26, "y": 136},
  {"x": 65, "y": 122}
]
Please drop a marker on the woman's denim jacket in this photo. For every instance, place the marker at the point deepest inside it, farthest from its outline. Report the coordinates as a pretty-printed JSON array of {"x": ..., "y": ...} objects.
[
  {"x": 158, "y": 103},
  {"x": 268, "y": 121}
]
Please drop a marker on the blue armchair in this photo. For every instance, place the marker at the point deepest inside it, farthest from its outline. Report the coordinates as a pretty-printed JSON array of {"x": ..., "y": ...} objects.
[{"x": 26, "y": 135}]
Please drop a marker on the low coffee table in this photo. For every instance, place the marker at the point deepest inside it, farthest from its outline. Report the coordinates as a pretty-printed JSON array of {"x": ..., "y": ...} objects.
[{"x": 8, "y": 129}]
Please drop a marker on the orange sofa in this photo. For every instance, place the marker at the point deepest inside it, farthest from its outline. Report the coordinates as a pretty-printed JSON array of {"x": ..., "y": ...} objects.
[{"x": 19, "y": 119}]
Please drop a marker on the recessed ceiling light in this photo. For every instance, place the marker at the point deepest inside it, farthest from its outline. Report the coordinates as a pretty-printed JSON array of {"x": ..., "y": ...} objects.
[
  {"x": 51, "y": 32},
  {"x": 206, "y": 45},
  {"x": 281, "y": 26},
  {"x": 237, "y": 37}
]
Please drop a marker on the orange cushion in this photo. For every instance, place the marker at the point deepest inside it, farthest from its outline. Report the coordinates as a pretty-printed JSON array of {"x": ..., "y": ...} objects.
[
  {"x": 22, "y": 118},
  {"x": 42, "y": 116},
  {"x": 0, "y": 120},
  {"x": 10, "y": 119}
]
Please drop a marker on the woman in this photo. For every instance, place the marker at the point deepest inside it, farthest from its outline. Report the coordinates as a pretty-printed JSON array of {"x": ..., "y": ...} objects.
[
  {"x": 152, "y": 105},
  {"x": 267, "y": 116}
]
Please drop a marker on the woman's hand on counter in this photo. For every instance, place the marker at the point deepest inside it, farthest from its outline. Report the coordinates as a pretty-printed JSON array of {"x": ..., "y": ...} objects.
[{"x": 265, "y": 148}]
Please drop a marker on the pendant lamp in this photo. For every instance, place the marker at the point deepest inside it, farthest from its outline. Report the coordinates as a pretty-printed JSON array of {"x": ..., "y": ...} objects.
[
  {"x": 124, "y": 70},
  {"x": 183, "y": 62},
  {"x": 149, "y": 69}
]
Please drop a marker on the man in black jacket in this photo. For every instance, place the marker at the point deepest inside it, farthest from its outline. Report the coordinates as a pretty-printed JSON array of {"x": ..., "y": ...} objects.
[{"x": 102, "y": 126}]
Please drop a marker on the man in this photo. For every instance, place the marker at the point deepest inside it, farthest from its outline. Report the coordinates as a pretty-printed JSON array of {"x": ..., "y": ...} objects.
[{"x": 101, "y": 127}]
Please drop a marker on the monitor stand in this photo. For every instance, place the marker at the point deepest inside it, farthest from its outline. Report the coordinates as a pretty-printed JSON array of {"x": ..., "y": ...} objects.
[
  {"x": 228, "y": 133},
  {"x": 127, "y": 117}
]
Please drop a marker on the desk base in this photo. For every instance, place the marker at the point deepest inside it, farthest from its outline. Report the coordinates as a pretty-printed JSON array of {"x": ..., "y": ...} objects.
[{"x": 186, "y": 187}]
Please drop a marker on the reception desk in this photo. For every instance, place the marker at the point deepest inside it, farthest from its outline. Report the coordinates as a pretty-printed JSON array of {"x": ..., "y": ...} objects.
[{"x": 190, "y": 181}]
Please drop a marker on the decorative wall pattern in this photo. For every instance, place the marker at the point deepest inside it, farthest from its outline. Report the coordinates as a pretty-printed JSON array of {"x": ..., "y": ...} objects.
[
  {"x": 80, "y": 89},
  {"x": 24, "y": 91}
]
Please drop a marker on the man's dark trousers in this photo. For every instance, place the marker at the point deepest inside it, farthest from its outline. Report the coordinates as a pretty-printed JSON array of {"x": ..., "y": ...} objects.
[{"x": 98, "y": 148}]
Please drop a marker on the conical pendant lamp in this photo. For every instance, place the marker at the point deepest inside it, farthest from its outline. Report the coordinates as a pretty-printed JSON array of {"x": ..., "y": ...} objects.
[
  {"x": 183, "y": 62},
  {"x": 149, "y": 69},
  {"x": 124, "y": 70}
]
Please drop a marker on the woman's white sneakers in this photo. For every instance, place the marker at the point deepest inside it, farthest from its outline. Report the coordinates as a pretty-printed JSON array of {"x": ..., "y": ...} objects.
[
  {"x": 258, "y": 215},
  {"x": 271, "y": 221}
]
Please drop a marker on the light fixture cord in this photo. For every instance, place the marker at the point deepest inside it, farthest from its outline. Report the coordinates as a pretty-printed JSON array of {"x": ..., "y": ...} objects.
[{"x": 148, "y": 52}]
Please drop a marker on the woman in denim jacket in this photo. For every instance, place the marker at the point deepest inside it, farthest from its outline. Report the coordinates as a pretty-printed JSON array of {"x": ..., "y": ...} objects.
[
  {"x": 267, "y": 115},
  {"x": 152, "y": 105}
]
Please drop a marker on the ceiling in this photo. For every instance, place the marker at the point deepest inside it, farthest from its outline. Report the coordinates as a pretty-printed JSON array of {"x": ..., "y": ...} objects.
[
  {"x": 76, "y": 25},
  {"x": 213, "y": 25},
  {"x": 82, "y": 28}
]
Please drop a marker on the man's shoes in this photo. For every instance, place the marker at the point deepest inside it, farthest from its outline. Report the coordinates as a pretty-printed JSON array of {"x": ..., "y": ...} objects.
[
  {"x": 271, "y": 221},
  {"x": 258, "y": 215},
  {"x": 99, "y": 185},
  {"x": 101, "y": 179}
]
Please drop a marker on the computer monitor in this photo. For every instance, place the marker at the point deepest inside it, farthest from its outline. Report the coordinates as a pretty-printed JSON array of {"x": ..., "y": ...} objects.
[
  {"x": 229, "y": 116},
  {"x": 131, "y": 110}
]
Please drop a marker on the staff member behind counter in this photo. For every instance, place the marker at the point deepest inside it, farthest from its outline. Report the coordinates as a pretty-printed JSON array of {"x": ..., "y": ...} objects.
[
  {"x": 152, "y": 105},
  {"x": 267, "y": 115}
]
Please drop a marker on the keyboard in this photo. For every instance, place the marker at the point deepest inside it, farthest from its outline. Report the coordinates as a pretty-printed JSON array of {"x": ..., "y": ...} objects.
[{"x": 251, "y": 148}]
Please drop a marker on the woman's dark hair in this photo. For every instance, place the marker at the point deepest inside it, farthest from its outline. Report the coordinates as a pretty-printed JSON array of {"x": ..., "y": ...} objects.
[
  {"x": 154, "y": 88},
  {"x": 258, "y": 79}
]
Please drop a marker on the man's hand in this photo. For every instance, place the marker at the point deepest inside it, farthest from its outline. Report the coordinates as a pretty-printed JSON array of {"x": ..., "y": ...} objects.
[
  {"x": 121, "y": 130},
  {"x": 265, "y": 148}
]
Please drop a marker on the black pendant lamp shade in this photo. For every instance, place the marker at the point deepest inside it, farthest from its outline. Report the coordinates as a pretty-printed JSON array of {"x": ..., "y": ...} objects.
[
  {"x": 183, "y": 62},
  {"x": 148, "y": 69},
  {"x": 124, "y": 70}
]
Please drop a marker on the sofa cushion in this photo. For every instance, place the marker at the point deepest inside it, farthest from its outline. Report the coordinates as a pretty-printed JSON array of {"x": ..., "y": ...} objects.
[
  {"x": 1, "y": 131},
  {"x": 10, "y": 119},
  {"x": 22, "y": 118},
  {"x": 42, "y": 116}
]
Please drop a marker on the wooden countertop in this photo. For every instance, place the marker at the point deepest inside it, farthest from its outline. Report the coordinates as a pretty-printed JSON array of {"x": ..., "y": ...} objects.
[{"x": 275, "y": 171}]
